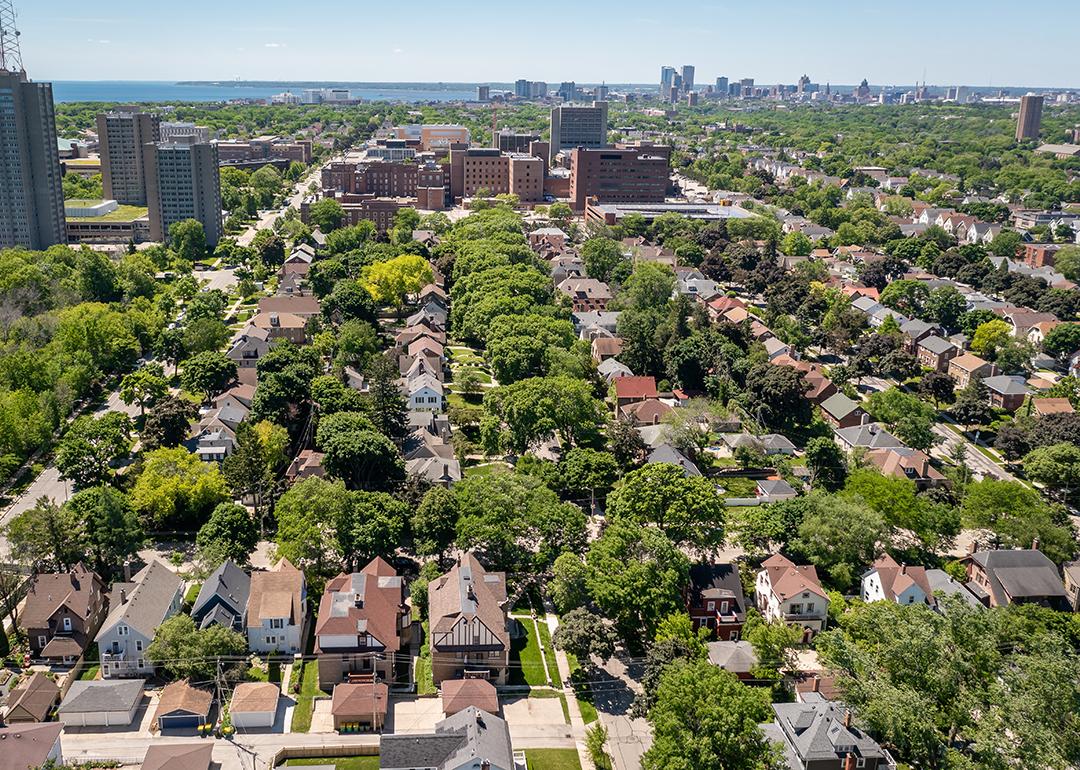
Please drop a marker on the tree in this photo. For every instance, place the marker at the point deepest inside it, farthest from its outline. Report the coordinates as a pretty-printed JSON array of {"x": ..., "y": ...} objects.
[
  {"x": 687, "y": 509},
  {"x": 356, "y": 453},
  {"x": 434, "y": 523},
  {"x": 385, "y": 405},
  {"x": 601, "y": 256},
  {"x": 372, "y": 525},
  {"x": 185, "y": 651},
  {"x": 635, "y": 576},
  {"x": 47, "y": 535},
  {"x": 91, "y": 446},
  {"x": 326, "y": 214},
  {"x": 250, "y": 470},
  {"x": 538, "y": 409},
  {"x": 906, "y": 296},
  {"x": 774, "y": 645},
  {"x": 625, "y": 443},
  {"x": 1062, "y": 341},
  {"x": 146, "y": 385},
  {"x": 705, "y": 717},
  {"x": 1067, "y": 262},
  {"x": 391, "y": 281},
  {"x": 796, "y": 244},
  {"x": 560, "y": 214},
  {"x": 584, "y": 634},
  {"x": 203, "y": 334},
  {"x": 587, "y": 470},
  {"x": 1057, "y": 467},
  {"x": 175, "y": 489},
  {"x": 188, "y": 239},
  {"x": 110, "y": 527},
  {"x": 208, "y": 373},
  {"x": 759, "y": 529},
  {"x": 307, "y": 515},
  {"x": 944, "y": 306},
  {"x": 972, "y": 405},
  {"x": 990, "y": 337},
  {"x": 826, "y": 462},
  {"x": 168, "y": 424},
  {"x": 567, "y": 588},
  {"x": 349, "y": 301},
  {"x": 776, "y": 396},
  {"x": 1017, "y": 516},
  {"x": 229, "y": 534},
  {"x": 938, "y": 386},
  {"x": 840, "y": 535}
]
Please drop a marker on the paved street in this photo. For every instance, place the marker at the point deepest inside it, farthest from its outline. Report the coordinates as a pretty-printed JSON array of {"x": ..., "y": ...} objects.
[
  {"x": 980, "y": 465},
  {"x": 613, "y": 694}
]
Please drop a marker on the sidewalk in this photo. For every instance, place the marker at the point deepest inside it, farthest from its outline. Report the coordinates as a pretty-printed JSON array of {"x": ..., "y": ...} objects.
[{"x": 577, "y": 724}]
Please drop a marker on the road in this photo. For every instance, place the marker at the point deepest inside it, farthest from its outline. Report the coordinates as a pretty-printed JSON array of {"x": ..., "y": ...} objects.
[
  {"x": 613, "y": 694},
  {"x": 267, "y": 218},
  {"x": 981, "y": 465}
]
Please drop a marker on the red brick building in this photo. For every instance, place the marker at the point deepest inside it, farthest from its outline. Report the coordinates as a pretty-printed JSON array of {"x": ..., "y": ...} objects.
[{"x": 615, "y": 175}]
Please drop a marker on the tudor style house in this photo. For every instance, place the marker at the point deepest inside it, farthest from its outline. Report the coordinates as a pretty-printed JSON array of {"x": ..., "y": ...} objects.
[
  {"x": 363, "y": 623},
  {"x": 792, "y": 593},
  {"x": 715, "y": 600},
  {"x": 276, "y": 610},
  {"x": 469, "y": 626},
  {"x": 136, "y": 609},
  {"x": 62, "y": 613}
]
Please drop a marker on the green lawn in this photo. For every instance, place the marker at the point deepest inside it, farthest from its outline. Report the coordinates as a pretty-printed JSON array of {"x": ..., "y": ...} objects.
[
  {"x": 347, "y": 763},
  {"x": 122, "y": 214},
  {"x": 552, "y": 759},
  {"x": 738, "y": 486},
  {"x": 305, "y": 700},
  {"x": 584, "y": 692},
  {"x": 90, "y": 673},
  {"x": 526, "y": 650},
  {"x": 424, "y": 682},
  {"x": 192, "y": 594},
  {"x": 549, "y": 651},
  {"x": 486, "y": 469}
]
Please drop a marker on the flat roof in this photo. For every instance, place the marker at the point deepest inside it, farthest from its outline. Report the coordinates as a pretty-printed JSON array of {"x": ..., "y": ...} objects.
[{"x": 120, "y": 214}]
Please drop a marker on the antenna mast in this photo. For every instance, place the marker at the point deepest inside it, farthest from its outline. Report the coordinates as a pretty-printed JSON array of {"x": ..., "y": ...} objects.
[{"x": 10, "y": 56}]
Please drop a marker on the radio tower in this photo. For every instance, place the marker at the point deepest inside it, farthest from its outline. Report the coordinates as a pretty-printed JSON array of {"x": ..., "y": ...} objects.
[{"x": 10, "y": 57}]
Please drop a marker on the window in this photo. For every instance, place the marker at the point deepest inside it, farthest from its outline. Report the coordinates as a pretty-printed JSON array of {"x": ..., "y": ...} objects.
[
  {"x": 121, "y": 630},
  {"x": 271, "y": 639},
  {"x": 860, "y": 762},
  {"x": 67, "y": 624},
  {"x": 277, "y": 623},
  {"x": 724, "y": 607},
  {"x": 733, "y": 636},
  {"x": 810, "y": 607},
  {"x": 42, "y": 641},
  {"x": 142, "y": 663},
  {"x": 711, "y": 606},
  {"x": 796, "y": 609},
  {"x": 138, "y": 645}
]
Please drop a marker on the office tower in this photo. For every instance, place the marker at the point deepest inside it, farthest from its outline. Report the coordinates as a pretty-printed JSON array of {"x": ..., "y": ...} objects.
[
  {"x": 722, "y": 86},
  {"x": 182, "y": 182},
  {"x": 1030, "y": 121},
  {"x": 170, "y": 131},
  {"x": 692, "y": 99},
  {"x": 483, "y": 93},
  {"x": 521, "y": 89},
  {"x": 601, "y": 93},
  {"x": 124, "y": 136},
  {"x": 538, "y": 89},
  {"x": 578, "y": 126},
  {"x": 568, "y": 90},
  {"x": 619, "y": 175},
  {"x": 688, "y": 77},
  {"x": 804, "y": 83},
  {"x": 746, "y": 87},
  {"x": 667, "y": 80}
]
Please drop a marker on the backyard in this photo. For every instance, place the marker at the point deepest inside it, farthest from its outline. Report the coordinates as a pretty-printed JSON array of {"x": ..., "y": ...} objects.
[{"x": 305, "y": 699}]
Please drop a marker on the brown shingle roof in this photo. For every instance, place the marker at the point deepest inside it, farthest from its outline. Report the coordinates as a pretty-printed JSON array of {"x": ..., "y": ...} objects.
[
  {"x": 26, "y": 746},
  {"x": 380, "y": 595},
  {"x": 359, "y": 699},
  {"x": 468, "y": 590},
  {"x": 276, "y": 594},
  {"x": 459, "y": 694},
  {"x": 181, "y": 696},
  {"x": 178, "y": 756},
  {"x": 48, "y": 593},
  {"x": 32, "y": 699},
  {"x": 788, "y": 579},
  {"x": 255, "y": 696}
]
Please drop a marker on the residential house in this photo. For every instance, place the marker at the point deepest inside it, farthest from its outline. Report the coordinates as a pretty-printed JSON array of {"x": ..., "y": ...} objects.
[
  {"x": 1015, "y": 576},
  {"x": 612, "y": 369},
  {"x": 1006, "y": 392},
  {"x": 306, "y": 464},
  {"x": 359, "y": 706},
  {"x": 595, "y": 323},
  {"x": 822, "y": 736},
  {"x": 907, "y": 463},
  {"x": 467, "y": 609},
  {"x": 774, "y": 490},
  {"x": 935, "y": 353},
  {"x": 439, "y": 471},
  {"x": 181, "y": 706},
  {"x": 630, "y": 390},
  {"x": 457, "y": 743},
  {"x": 62, "y": 613},
  {"x": 735, "y": 656},
  {"x": 363, "y": 624},
  {"x": 136, "y": 609},
  {"x": 868, "y": 435},
  {"x": 254, "y": 704},
  {"x": 28, "y": 746},
  {"x": 305, "y": 307},
  {"x": 431, "y": 314},
  {"x": 282, "y": 326},
  {"x": 1044, "y": 406},
  {"x": 648, "y": 412},
  {"x": 460, "y": 694},
  {"x": 252, "y": 344},
  {"x": 714, "y": 600},
  {"x": 941, "y": 582},
  {"x": 965, "y": 367},
  {"x": 433, "y": 293},
  {"x": 888, "y": 581},
  {"x": 666, "y": 453},
  {"x": 915, "y": 331},
  {"x": 276, "y": 611},
  {"x": 604, "y": 348},
  {"x": 585, "y": 293},
  {"x": 424, "y": 393},
  {"x": 792, "y": 593},
  {"x": 223, "y": 598},
  {"x": 841, "y": 412},
  {"x": 32, "y": 700},
  {"x": 1071, "y": 574},
  {"x": 101, "y": 703}
]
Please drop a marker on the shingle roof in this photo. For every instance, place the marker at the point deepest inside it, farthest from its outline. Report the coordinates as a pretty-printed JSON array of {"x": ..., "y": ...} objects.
[
  {"x": 460, "y": 694},
  {"x": 49, "y": 592},
  {"x": 178, "y": 756},
  {"x": 1020, "y": 573},
  {"x": 27, "y": 746},
  {"x": 148, "y": 601},
  {"x": 250, "y": 697},
  {"x": 87, "y": 697},
  {"x": 35, "y": 696},
  {"x": 458, "y": 741},
  {"x": 360, "y": 698},
  {"x": 276, "y": 594},
  {"x": 369, "y": 602},
  {"x": 470, "y": 591},
  {"x": 839, "y": 405},
  {"x": 897, "y": 578},
  {"x": 231, "y": 585},
  {"x": 936, "y": 345},
  {"x": 181, "y": 697},
  {"x": 870, "y": 435},
  {"x": 1006, "y": 385},
  {"x": 788, "y": 579},
  {"x": 816, "y": 731},
  {"x": 712, "y": 582},
  {"x": 636, "y": 387},
  {"x": 737, "y": 657}
]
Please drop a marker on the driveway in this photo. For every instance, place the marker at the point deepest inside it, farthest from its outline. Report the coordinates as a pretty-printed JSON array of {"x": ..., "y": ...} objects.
[
  {"x": 613, "y": 694},
  {"x": 322, "y": 721},
  {"x": 411, "y": 714},
  {"x": 534, "y": 719}
]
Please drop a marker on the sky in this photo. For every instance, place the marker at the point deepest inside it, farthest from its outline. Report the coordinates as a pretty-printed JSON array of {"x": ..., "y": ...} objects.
[{"x": 973, "y": 42}]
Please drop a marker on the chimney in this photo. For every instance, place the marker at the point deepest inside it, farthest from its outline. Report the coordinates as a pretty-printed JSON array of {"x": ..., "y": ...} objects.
[
  {"x": 847, "y": 718},
  {"x": 974, "y": 547},
  {"x": 815, "y": 684},
  {"x": 1035, "y": 544},
  {"x": 903, "y": 569},
  {"x": 123, "y": 596},
  {"x": 849, "y": 761}
]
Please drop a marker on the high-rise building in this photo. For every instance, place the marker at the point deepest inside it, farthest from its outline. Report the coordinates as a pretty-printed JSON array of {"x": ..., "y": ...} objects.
[
  {"x": 568, "y": 90},
  {"x": 688, "y": 77},
  {"x": 183, "y": 182},
  {"x": 804, "y": 83},
  {"x": 722, "y": 86},
  {"x": 483, "y": 93},
  {"x": 31, "y": 190},
  {"x": 578, "y": 126},
  {"x": 521, "y": 89},
  {"x": 170, "y": 131},
  {"x": 692, "y": 99},
  {"x": 667, "y": 80},
  {"x": 1030, "y": 120},
  {"x": 618, "y": 175},
  {"x": 746, "y": 88},
  {"x": 124, "y": 137}
]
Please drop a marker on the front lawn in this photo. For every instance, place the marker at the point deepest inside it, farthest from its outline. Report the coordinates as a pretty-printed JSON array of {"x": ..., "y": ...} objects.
[
  {"x": 552, "y": 759},
  {"x": 526, "y": 652},
  {"x": 549, "y": 651}
]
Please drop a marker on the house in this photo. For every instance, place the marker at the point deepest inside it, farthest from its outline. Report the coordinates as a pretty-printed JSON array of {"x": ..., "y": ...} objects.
[
  {"x": 822, "y": 736},
  {"x": 612, "y": 369},
  {"x": 254, "y": 704},
  {"x": 62, "y": 612},
  {"x": 178, "y": 756},
  {"x": 425, "y": 394},
  {"x": 359, "y": 706},
  {"x": 775, "y": 348},
  {"x": 630, "y": 390},
  {"x": 305, "y": 307},
  {"x": 968, "y": 366},
  {"x": 433, "y": 293},
  {"x": 907, "y": 463},
  {"x": 942, "y": 583},
  {"x": 841, "y": 412},
  {"x": 585, "y": 294},
  {"x": 648, "y": 412},
  {"x": 714, "y": 600},
  {"x": 32, "y": 746},
  {"x": 223, "y": 598},
  {"x": 252, "y": 344},
  {"x": 888, "y": 581},
  {"x": 457, "y": 743},
  {"x": 775, "y": 444},
  {"x": 868, "y": 435},
  {"x": 276, "y": 611},
  {"x": 816, "y": 687},
  {"x": 785, "y": 591},
  {"x": 431, "y": 314},
  {"x": 595, "y": 323},
  {"x": 1071, "y": 573},
  {"x": 666, "y": 453},
  {"x": 737, "y": 657},
  {"x": 32, "y": 700},
  {"x": 915, "y": 331},
  {"x": 1006, "y": 392},
  {"x": 1044, "y": 406},
  {"x": 182, "y": 706},
  {"x": 363, "y": 624},
  {"x": 467, "y": 609},
  {"x": 604, "y": 348},
  {"x": 1015, "y": 576},
  {"x": 305, "y": 465},
  {"x": 772, "y": 490},
  {"x": 238, "y": 397},
  {"x": 282, "y": 326},
  {"x": 460, "y": 694},
  {"x": 136, "y": 609},
  {"x": 101, "y": 703},
  {"x": 440, "y": 471},
  {"x": 935, "y": 353}
]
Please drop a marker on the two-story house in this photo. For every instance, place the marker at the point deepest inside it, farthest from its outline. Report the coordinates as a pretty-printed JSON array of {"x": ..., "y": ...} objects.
[
  {"x": 792, "y": 593},
  {"x": 821, "y": 735},
  {"x": 888, "y": 581},
  {"x": 276, "y": 610},
  {"x": 136, "y": 609},
  {"x": 1015, "y": 576},
  {"x": 363, "y": 623},
  {"x": 223, "y": 598},
  {"x": 468, "y": 620},
  {"x": 62, "y": 613},
  {"x": 252, "y": 344},
  {"x": 715, "y": 600}
]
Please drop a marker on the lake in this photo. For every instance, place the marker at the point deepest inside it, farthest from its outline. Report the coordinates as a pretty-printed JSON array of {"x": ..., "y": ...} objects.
[{"x": 167, "y": 91}]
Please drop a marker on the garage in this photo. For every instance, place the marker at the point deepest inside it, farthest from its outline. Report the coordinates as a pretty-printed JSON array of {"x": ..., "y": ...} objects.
[
  {"x": 182, "y": 707},
  {"x": 254, "y": 705},
  {"x": 101, "y": 703}
]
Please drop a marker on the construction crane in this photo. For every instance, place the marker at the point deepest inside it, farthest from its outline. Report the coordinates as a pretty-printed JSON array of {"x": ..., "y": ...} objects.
[{"x": 10, "y": 56}]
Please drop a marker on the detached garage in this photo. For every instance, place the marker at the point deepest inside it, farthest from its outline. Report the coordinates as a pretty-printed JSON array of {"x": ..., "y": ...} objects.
[
  {"x": 101, "y": 703},
  {"x": 182, "y": 707},
  {"x": 254, "y": 704}
]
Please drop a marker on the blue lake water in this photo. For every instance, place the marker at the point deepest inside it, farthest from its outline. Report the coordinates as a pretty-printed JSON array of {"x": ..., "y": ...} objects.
[{"x": 164, "y": 91}]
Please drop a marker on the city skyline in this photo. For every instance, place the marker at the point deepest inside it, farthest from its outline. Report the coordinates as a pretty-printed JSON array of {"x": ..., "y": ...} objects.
[{"x": 604, "y": 43}]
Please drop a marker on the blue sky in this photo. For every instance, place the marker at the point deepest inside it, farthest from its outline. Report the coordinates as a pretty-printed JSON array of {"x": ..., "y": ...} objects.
[{"x": 842, "y": 41}]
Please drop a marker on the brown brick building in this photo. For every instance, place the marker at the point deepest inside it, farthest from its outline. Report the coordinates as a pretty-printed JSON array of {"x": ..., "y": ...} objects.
[
  {"x": 632, "y": 175},
  {"x": 527, "y": 177}
]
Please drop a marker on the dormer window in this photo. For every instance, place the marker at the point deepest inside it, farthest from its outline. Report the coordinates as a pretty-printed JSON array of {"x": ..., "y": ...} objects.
[
  {"x": 121, "y": 630},
  {"x": 277, "y": 623}
]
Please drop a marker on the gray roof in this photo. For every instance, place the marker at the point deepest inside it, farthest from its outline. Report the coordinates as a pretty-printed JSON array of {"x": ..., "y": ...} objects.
[
  {"x": 666, "y": 453},
  {"x": 1020, "y": 573},
  {"x": 941, "y": 582},
  {"x": 1006, "y": 385},
  {"x": 870, "y": 435},
  {"x": 470, "y": 734},
  {"x": 775, "y": 441},
  {"x": 610, "y": 366},
  {"x": 816, "y": 731},
  {"x": 737, "y": 657},
  {"x": 86, "y": 697},
  {"x": 231, "y": 585},
  {"x": 936, "y": 345},
  {"x": 772, "y": 487},
  {"x": 148, "y": 601},
  {"x": 915, "y": 327},
  {"x": 839, "y": 405}
]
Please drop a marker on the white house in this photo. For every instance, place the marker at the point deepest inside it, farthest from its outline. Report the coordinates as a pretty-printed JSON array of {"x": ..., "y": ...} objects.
[
  {"x": 136, "y": 609},
  {"x": 791, "y": 593},
  {"x": 888, "y": 581},
  {"x": 425, "y": 394},
  {"x": 276, "y": 610}
]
